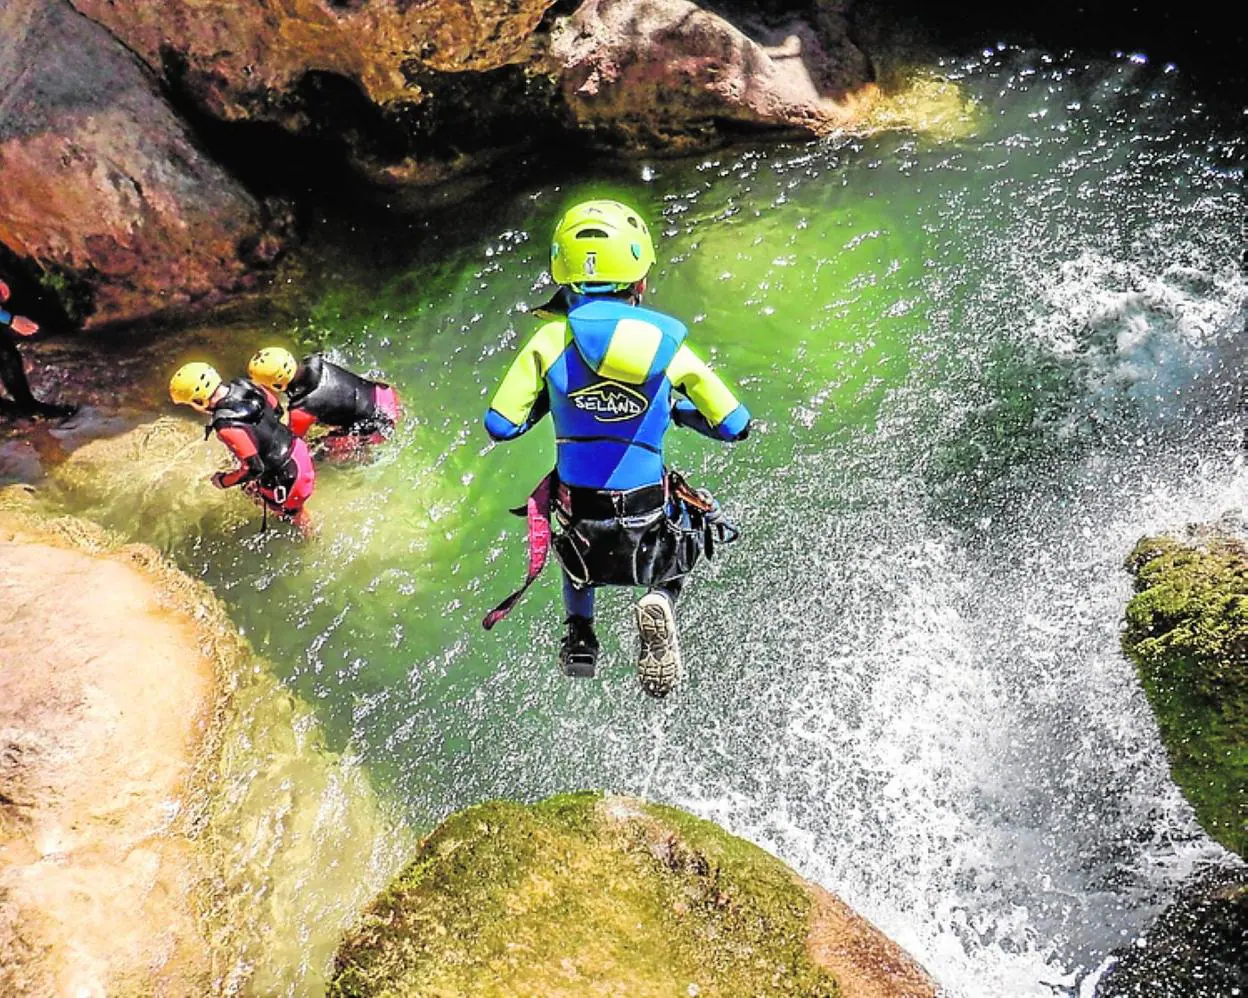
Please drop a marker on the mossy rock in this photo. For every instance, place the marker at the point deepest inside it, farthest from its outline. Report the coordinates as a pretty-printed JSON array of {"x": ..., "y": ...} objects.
[
  {"x": 585, "y": 894},
  {"x": 1187, "y": 632}
]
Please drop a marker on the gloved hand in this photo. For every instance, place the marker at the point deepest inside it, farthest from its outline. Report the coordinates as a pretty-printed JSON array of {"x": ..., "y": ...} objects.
[
  {"x": 23, "y": 326},
  {"x": 218, "y": 479}
]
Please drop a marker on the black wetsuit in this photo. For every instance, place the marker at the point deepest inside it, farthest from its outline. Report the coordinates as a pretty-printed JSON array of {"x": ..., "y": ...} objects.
[
  {"x": 12, "y": 374},
  {"x": 335, "y": 397},
  {"x": 247, "y": 423},
  {"x": 13, "y": 378}
]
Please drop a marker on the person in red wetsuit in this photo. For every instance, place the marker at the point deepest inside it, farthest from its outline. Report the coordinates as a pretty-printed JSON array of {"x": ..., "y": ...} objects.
[
  {"x": 272, "y": 460},
  {"x": 356, "y": 410}
]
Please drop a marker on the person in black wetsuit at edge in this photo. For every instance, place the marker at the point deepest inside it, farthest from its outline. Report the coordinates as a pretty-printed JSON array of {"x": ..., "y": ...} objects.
[
  {"x": 356, "y": 410},
  {"x": 12, "y": 375},
  {"x": 272, "y": 461}
]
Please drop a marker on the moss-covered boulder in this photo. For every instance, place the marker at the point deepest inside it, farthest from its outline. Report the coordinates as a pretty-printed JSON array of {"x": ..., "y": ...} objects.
[
  {"x": 590, "y": 894},
  {"x": 1187, "y": 632}
]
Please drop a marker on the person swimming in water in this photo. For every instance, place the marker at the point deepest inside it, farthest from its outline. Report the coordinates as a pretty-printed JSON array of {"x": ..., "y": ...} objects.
[
  {"x": 356, "y": 410},
  {"x": 614, "y": 376},
  {"x": 274, "y": 464},
  {"x": 22, "y": 402}
]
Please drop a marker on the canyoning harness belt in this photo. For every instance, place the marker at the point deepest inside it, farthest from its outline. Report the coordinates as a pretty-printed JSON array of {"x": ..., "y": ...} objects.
[{"x": 636, "y": 537}]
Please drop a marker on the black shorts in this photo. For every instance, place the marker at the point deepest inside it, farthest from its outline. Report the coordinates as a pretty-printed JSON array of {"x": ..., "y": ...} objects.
[{"x": 647, "y": 549}]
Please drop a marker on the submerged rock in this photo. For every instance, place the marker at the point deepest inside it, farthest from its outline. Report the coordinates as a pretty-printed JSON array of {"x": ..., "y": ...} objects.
[
  {"x": 1187, "y": 632},
  {"x": 170, "y": 819},
  {"x": 590, "y": 894},
  {"x": 105, "y": 194},
  {"x": 152, "y": 483}
]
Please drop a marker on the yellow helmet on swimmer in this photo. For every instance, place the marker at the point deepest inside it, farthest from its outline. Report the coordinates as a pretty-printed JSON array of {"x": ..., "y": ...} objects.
[
  {"x": 600, "y": 242},
  {"x": 194, "y": 383},
  {"x": 273, "y": 366}
]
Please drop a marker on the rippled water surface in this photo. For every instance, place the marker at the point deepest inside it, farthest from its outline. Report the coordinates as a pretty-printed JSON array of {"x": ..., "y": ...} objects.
[{"x": 980, "y": 370}]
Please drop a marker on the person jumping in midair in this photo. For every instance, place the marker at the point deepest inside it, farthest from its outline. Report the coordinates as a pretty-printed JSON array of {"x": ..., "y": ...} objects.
[{"x": 614, "y": 376}]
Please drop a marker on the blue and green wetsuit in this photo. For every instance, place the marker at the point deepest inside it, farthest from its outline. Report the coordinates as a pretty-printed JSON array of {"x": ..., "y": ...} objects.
[{"x": 613, "y": 376}]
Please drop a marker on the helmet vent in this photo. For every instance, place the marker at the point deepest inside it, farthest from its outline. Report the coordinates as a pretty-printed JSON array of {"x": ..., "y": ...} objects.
[{"x": 591, "y": 234}]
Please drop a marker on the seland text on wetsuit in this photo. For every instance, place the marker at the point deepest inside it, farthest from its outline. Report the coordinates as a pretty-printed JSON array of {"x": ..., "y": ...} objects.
[
  {"x": 323, "y": 392},
  {"x": 614, "y": 377},
  {"x": 246, "y": 421}
]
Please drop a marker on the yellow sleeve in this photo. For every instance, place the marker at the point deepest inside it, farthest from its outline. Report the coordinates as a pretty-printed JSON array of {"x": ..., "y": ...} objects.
[
  {"x": 525, "y": 379},
  {"x": 705, "y": 389}
]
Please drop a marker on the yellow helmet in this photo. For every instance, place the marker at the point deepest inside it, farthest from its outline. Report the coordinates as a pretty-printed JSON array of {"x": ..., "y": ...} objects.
[
  {"x": 600, "y": 242},
  {"x": 273, "y": 366},
  {"x": 194, "y": 383}
]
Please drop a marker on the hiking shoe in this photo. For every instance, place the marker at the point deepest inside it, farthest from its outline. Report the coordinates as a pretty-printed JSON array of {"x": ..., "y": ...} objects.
[
  {"x": 658, "y": 660},
  {"x": 578, "y": 652}
]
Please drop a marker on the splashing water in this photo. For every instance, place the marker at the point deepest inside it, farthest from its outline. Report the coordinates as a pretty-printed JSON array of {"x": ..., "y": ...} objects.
[{"x": 980, "y": 369}]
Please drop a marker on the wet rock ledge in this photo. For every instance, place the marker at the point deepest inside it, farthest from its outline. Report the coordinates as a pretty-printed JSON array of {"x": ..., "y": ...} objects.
[
  {"x": 171, "y": 822},
  {"x": 591, "y": 894}
]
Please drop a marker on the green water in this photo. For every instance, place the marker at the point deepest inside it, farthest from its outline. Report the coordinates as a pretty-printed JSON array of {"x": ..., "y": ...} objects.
[{"x": 978, "y": 369}]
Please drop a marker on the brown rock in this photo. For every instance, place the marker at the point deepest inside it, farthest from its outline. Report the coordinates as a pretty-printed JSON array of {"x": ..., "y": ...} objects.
[
  {"x": 865, "y": 962},
  {"x": 98, "y": 737},
  {"x": 103, "y": 188},
  {"x": 423, "y": 93},
  {"x": 245, "y": 60},
  {"x": 647, "y": 74},
  {"x": 417, "y": 92}
]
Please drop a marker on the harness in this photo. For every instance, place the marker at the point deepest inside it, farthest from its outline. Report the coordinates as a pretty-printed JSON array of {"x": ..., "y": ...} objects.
[{"x": 691, "y": 516}]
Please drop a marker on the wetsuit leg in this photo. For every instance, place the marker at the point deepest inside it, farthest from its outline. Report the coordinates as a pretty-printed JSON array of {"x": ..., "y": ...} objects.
[
  {"x": 13, "y": 375},
  {"x": 577, "y": 602},
  {"x": 578, "y": 652},
  {"x": 672, "y": 588}
]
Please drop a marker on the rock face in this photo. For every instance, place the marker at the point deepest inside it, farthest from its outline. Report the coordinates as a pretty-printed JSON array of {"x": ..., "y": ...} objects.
[
  {"x": 97, "y": 871},
  {"x": 248, "y": 60},
  {"x": 584, "y": 894},
  {"x": 171, "y": 822},
  {"x": 1187, "y": 632},
  {"x": 417, "y": 92},
  {"x": 666, "y": 74},
  {"x": 421, "y": 93},
  {"x": 1196, "y": 949},
  {"x": 114, "y": 208},
  {"x": 105, "y": 193}
]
